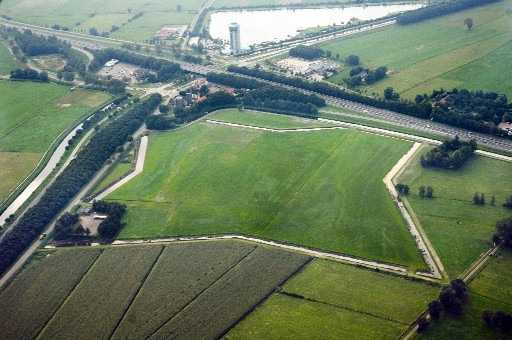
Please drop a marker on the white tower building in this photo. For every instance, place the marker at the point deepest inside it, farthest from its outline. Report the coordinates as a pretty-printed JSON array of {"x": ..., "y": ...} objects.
[{"x": 234, "y": 38}]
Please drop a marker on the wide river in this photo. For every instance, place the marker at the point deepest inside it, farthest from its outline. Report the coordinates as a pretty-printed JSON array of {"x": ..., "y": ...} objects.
[{"x": 274, "y": 25}]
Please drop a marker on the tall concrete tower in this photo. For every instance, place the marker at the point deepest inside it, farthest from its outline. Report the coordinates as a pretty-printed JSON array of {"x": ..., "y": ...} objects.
[{"x": 234, "y": 38}]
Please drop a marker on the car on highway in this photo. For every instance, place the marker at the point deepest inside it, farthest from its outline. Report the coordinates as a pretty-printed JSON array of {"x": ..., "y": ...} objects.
[{"x": 42, "y": 236}]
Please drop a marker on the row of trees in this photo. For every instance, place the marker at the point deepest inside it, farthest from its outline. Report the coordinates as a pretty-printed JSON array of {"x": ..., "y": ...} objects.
[
  {"x": 451, "y": 154},
  {"x": 29, "y": 74},
  {"x": 80, "y": 171},
  {"x": 360, "y": 75},
  {"x": 421, "y": 110},
  {"x": 439, "y": 9}
]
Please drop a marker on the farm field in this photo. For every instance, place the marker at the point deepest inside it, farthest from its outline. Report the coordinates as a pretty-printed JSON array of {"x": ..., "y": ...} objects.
[
  {"x": 268, "y": 120},
  {"x": 7, "y": 63},
  {"x": 22, "y": 141},
  {"x": 473, "y": 59},
  {"x": 306, "y": 188},
  {"x": 80, "y": 16},
  {"x": 246, "y": 3},
  {"x": 143, "y": 290},
  {"x": 338, "y": 301},
  {"x": 45, "y": 282},
  {"x": 458, "y": 229},
  {"x": 490, "y": 290}
]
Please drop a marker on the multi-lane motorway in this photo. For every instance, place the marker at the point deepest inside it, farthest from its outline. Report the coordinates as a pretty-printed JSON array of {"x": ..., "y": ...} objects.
[{"x": 83, "y": 40}]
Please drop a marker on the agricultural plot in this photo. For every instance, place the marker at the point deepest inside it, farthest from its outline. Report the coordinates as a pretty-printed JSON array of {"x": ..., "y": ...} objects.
[
  {"x": 458, "y": 229},
  {"x": 80, "y": 16},
  {"x": 7, "y": 62},
  {"x": 230, "y": 297},
  {"x": 33, "y": 297},
  {"x": 183, "y": 272},
  {"x": 490, "y": 290},
  {"x": 268, "y": 120},
  {"x": 273, "y": 3},
  {"x": 309, "y": 188},
  {"x": 22, "y": 141},
  {"x": 338, "y": 301},
  {"x": 101, "y": 298},
  {"x": 143, "y": 291},
  {"x": 475, "y": 59}
]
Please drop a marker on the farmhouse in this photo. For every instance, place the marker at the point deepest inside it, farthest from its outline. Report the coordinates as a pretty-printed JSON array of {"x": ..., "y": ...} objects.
[{"x": 111, "y": 63}]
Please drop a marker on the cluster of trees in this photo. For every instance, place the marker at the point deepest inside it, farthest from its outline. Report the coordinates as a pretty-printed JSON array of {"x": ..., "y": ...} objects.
[
  {"x": 508, "y": 202},
  {"x": 68, "y": 227},
  {"x": 479, "y": 199},
  {"x": 438, "y": 9},
  {"x": 421, "y": 110},
  {"x": 306, "y": 52},
  {"x": 479, "y": 111},
  {"x": 112, "y": 85},
  {"x": 498, "y": 320},
  {"x": 32, "y": 45},
  {"x": 165, "y": 70},
  {"x": 452, "y": 154},
  {"x": 163, "y": 122},
  {"x": 109, "y": 227},
  {"x": 270, "y": 92},
  {"x": 427, "y": 192},
  {"x": 234, "y": 81},
  {"x": 402, "y": 188},
  {"x": 81, "y": 169},
  {"x": 504, "y": 231},
  {"x": 352, "y": 60},
  {"x": 29, "y": 74},
  {"x": 58, "y": 27},
  {"x": 214, "y": 101},
  {"x": 360, "y": 75}
]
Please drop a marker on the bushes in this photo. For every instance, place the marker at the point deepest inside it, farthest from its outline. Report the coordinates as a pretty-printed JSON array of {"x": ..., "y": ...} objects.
[{"x": 80, "y": 171}]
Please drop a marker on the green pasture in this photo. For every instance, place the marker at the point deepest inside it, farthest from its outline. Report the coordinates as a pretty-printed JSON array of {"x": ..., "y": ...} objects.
[
  {"x": 311, "y": 188},
  {"x": 458, "y": 229},
  {"x": 7, "y": 62},
  {"x": 490, "y": 290},
  {"x": 438, "y": 53},
  {"x": 80, "y": 16},
  {"x": 26, "y": 107},
  {"x": 363, "y": 290},
  {"x": 119, "y": 170},
  {"x": 248, "y": 3},
  {"x": 268, "y": 120},
  {"x": 285, "y": 317}
]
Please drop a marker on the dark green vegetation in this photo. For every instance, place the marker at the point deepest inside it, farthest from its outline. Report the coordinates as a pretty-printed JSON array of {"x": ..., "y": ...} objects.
[
  {"x": 490, "y": 290},
  {"x": 29, "y": 74},
  {"x": 306, "y": 52},
  {"x": 452, "y": 154},
  {"x": 306, "y": 188},
  {"x": 458, "y": 229},
  {"x": 189, "y": 290},
  {"x": 438, "y": 53},
  {"x": 89, "y": 160},
  {"x": 338, "y": 301},
  {"x": 22, "y": 141}
]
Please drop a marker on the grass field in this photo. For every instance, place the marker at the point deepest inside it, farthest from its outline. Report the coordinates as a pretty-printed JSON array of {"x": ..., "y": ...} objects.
[
  {"x": 193, "y": 290},
  {"x": 334, "y": 301},
  {"x": 439, "y": 53},
  {"x": 52, "y": 63},
  {"x": 268, "y": 120},
  {"x": 458, "y": 229},
  {"x": 489, "y": 290},
  {"x": 38, "y": 291},
  {"x": 80, "y": 16},
  {"x": 246, "y": 3},
  {"x": 22, "y": 140},
  {"x": 306, "y": 188},
  {"x": 7, "y": 63}
]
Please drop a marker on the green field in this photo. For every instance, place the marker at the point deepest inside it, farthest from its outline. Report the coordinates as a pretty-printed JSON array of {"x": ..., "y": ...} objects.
[
  {"x": 334, "y": 301},
  {"x": 7, "y": 63},
  {"x": 490, "y": 290},
  {"x": 22, "y": 140},
  {"x": 189, "y": 290},
  {"x": 305, "y": 188},
  {"x": 438, "y": 53},
  {"x": 458, "y": 229},
  {"x": 80, "y": 16},
  {"x": 119, "y": 170},
  {"x": 268, "y": 120},
  {"x": 248, "y": 3}
]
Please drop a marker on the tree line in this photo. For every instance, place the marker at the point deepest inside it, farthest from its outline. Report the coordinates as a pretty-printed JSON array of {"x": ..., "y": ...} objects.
[
  {"x": 29, "y": 74},
  {"x": 109, "y": 227},
  {"x": 306, "y": 52},
  {"x": 451, "y": 154},
  {"x": 78, "y": 173},
  {"x": 439, "y": 9}
]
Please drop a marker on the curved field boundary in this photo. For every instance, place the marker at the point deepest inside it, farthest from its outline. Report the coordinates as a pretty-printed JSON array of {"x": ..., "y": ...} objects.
[{"x": 305, "y": 250}]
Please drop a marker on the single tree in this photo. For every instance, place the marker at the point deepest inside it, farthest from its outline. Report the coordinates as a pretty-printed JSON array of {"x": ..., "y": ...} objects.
[
  {"x": 434, "y": 309},
  {"x": 422, "y": 324},
  {"x": 468, "y": 22},
  {"x": 430, "y": 192},
  {"x": 493, "y": 200},
  {"x": 422, "y": 191}
]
